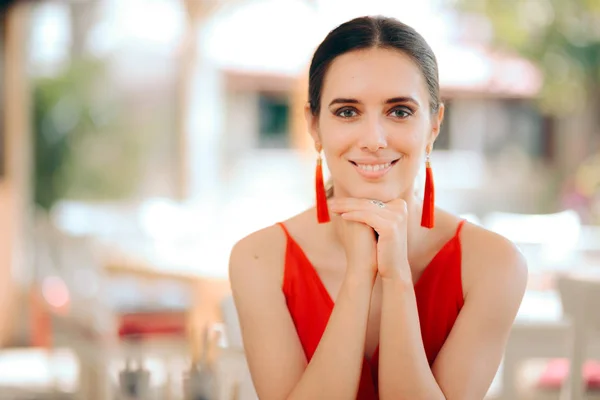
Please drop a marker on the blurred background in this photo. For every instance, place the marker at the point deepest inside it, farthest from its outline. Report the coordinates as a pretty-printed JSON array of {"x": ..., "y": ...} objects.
[{"x": 140, "y": 139}]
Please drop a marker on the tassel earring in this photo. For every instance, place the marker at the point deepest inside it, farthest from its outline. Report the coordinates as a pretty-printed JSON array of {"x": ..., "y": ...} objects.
[
  {"x": 322, "y": 209},
  {"x": 427, "y": 217}
]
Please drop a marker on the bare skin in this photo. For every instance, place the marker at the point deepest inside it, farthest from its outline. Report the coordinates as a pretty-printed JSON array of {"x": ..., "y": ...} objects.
[{"x": 372, "y": 282}]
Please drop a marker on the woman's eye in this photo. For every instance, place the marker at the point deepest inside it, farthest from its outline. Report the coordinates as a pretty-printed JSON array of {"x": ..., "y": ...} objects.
[
  {"x": 401, "y": 112},
  {"x": 346, "y": 113}
]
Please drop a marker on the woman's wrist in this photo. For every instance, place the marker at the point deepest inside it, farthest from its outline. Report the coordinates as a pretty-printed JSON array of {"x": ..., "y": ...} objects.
[
  {"x": 356, "y": 277},
  {"x": 400, "y": 276}
]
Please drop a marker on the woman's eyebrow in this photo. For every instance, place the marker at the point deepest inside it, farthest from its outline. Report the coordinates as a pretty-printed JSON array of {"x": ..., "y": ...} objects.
[
  {"x": 402, "y": 99},
  {"x": 341, "y": 100},
  {"x": 399, "y": 99}
]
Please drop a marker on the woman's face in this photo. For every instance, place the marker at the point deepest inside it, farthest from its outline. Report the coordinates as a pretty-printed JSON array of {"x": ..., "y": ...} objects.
[{"x": 375, "y": 124}]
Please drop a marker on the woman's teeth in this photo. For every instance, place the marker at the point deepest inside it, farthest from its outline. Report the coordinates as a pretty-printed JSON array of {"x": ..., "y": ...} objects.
[{"x": 375, "y": 167}]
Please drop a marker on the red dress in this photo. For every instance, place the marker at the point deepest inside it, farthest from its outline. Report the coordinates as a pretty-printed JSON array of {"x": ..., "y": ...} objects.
[{"x": 438, "y": 292}]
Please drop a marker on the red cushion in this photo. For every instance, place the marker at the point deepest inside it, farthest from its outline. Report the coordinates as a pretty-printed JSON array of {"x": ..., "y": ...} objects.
[
  {"x": 153, "y": 323},
  {"x": 557, "y": 370}
]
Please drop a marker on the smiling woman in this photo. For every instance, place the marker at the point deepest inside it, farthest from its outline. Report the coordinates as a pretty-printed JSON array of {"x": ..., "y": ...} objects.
[{"x": 364, "y": 296}]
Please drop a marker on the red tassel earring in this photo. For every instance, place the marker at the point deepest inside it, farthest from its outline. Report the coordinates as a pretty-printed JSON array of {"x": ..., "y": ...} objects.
[
  {"x": 322, "y": 209},
  {"x": 427, "y": 217}
]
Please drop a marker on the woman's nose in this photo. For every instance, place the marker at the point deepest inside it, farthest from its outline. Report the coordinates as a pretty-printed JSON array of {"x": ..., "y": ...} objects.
[{"x": 373, "y": 137}]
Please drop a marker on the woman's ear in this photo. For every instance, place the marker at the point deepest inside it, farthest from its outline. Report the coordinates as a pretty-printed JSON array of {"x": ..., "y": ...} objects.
[
  {"x": 436, "y": 123},
  {"x": 312, "y": 123}
]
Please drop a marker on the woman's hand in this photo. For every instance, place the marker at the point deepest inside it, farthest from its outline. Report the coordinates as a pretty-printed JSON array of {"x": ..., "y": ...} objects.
[
  {"x": 360, "y": 246},
  {"x": 389, "y": 220}
]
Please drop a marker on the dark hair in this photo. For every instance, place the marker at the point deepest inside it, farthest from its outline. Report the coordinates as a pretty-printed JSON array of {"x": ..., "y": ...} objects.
[{"x": 372, "y": 32}]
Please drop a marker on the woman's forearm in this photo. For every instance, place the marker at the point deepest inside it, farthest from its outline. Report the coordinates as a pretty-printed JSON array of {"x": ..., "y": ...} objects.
[
  {"x": 404, "y": 371},
  {"x": 335, "y": 368}
]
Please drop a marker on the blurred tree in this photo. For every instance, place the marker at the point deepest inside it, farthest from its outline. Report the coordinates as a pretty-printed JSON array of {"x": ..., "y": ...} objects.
[
  {"x": 562, "y": 37},
  {"x": 83, "y": 148}
]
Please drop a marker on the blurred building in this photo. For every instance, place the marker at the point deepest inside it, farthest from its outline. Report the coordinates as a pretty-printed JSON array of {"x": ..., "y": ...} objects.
[
  {"x": 491, "y": 119},
  {"x": 234, "y": 100}
]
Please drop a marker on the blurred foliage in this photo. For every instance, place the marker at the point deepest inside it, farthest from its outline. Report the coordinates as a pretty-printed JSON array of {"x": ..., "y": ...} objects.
[
  {"x": 561, "y": 36},
  {"x": 83, "y": 147}
]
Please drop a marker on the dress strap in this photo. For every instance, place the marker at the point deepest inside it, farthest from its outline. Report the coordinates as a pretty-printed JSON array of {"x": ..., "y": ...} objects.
[
  {"x": 287, "y": 233},
  {"x": 458, "y": 229}
]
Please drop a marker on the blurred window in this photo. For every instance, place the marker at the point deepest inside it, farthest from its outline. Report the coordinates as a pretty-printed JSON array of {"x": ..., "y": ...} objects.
[
  {"x": 515, "y": 123},
  {"x": 273, "y": 120}
]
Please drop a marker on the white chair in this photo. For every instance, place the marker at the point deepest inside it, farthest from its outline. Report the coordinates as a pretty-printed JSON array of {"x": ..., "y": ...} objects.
[
  {"x": 548, "y": 243},
  {"x": 580, "y": 297},
  {"x": 539, "y": 332}
]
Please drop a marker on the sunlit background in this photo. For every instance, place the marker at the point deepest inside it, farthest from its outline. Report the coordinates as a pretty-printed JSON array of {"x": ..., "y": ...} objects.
[{"x": 140, "y": 139}]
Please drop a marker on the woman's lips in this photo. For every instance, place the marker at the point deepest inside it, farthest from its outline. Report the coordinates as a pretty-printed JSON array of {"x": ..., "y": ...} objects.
[{"x": 373, "y": 171}]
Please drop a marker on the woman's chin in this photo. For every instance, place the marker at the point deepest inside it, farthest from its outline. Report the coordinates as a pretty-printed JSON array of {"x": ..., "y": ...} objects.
[{"x": 384, "y": 194}]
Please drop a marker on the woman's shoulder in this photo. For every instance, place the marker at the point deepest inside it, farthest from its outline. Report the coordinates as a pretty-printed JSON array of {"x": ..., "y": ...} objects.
[
  {"x": 262, "y": 253},
  {"x": 489, "y": 257},
  {"x": 257, "y": 255}
]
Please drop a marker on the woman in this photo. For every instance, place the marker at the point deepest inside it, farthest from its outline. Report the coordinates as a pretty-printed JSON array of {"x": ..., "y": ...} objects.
[{"x": 421, "y": 310}]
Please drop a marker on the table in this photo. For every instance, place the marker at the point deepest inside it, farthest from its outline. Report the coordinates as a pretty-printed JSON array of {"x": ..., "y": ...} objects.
[{"x": 95, "y": 334}]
